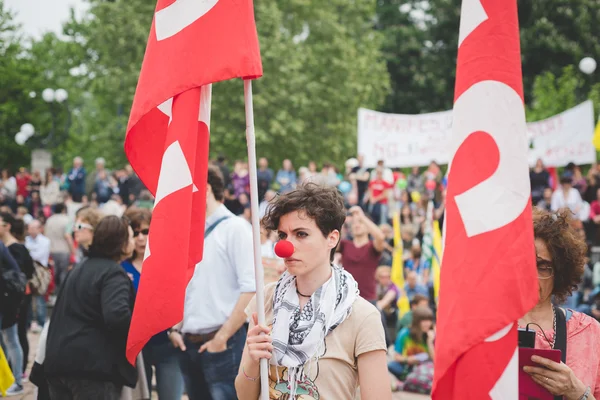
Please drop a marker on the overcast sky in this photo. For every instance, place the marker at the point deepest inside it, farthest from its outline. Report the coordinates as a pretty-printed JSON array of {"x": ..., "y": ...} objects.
[{"x": 39, "y": 16}]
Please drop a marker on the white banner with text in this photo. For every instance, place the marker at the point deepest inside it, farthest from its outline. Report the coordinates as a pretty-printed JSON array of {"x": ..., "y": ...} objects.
[{"x": 403, "y": 140}]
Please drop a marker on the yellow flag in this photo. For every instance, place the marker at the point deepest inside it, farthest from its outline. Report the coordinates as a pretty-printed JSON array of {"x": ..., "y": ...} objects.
[
  {"x": 6, "y": 376},
  {"x": 596, "y": 139},
  {"x": 398, "y": 265},
  {"x": 437, "y": 258}
]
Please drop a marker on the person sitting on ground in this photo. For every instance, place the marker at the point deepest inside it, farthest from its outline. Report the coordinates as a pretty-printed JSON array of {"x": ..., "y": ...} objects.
[
  {"x": 418, "y": 301},
  {"x": 413, "y": 287},
  {"x": 413, "y": 345}
]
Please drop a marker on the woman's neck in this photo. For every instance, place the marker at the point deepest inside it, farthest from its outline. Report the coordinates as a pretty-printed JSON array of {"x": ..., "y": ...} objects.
[
  {"x": 137, "y": 262},
  {"x": 9, "y": 240},
  {"x": 361, "y": 240},
  {"x": 308, "y": 284},
  {"x": 542, "y": 314}
]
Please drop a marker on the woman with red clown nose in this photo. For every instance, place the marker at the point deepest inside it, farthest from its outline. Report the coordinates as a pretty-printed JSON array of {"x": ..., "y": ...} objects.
[{"x": 321, "y": 338}]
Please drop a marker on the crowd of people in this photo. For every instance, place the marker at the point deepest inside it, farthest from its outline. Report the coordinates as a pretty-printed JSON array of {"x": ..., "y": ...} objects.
[{"x": 79, "y": 239}]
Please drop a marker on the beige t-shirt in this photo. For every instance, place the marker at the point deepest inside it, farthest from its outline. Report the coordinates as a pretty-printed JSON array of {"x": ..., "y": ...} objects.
[
  {"x": 335, "y": 376},
  {"x": 56, "y": 228}
]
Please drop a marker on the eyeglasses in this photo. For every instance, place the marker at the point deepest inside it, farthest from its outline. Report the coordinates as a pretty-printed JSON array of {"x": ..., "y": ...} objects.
[
  {"x": 544, "y": 268},
  {"x": 143, "y": 232},
  {"x": 82, "y": 225}
]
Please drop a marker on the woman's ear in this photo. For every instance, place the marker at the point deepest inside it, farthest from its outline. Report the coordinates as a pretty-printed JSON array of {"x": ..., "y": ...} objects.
[{"x": 333, "y": 239}]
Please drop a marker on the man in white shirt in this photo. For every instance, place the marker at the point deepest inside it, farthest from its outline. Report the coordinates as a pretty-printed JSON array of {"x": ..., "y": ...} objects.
[
  {"x": 39, "y": 249},
  {"x": 61, "y": 243},
  {"x": 213, "y": 331}
]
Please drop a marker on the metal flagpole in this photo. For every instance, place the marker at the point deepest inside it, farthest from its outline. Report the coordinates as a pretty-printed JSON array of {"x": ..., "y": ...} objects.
[{"x": 258, "y": 267}]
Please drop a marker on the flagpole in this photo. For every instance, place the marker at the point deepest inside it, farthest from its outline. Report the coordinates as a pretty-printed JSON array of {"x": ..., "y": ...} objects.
[{"x": 254, "y": 200}]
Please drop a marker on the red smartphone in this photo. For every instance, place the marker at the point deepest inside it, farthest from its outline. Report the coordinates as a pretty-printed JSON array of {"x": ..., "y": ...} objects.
[{"x": 528, "y": 388}]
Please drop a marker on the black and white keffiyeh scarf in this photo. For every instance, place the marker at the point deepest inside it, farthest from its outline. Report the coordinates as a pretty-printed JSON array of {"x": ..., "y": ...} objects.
[{"x": 299, "y": 334}]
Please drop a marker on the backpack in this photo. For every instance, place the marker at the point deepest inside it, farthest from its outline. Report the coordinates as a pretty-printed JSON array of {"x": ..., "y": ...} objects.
[
  {"x": 40, "y": 280},
  {"x": 420, "y": 379}
]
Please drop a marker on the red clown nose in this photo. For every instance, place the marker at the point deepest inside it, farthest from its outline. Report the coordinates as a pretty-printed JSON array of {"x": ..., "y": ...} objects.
[{"x": 284, "y": 249}]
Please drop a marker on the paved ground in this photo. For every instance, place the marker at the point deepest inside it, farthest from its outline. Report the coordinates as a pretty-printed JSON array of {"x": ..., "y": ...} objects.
[{"x": 30, "y": 388}]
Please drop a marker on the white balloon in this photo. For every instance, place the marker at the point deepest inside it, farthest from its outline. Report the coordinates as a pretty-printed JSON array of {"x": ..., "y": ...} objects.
[
  {"x": 48, "y": 95},
  {"x": 32, "y": 95},
  {"x": 587, "y": 65},
  {"x": 28, "y": 129},
  {"x": 61, "y": 95},
  {"x": 20, "y": 138}
]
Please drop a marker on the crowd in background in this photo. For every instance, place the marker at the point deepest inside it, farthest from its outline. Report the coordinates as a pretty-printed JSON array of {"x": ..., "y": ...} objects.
[{"x": 53, "y": 217}]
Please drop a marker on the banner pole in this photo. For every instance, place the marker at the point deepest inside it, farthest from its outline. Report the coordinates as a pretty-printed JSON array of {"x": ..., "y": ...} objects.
[{"x": 254, "y": 200}]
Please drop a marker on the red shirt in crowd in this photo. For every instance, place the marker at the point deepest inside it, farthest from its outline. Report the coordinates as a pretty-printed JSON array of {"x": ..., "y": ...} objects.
[
  {"x": 361, "y": 263},
  {"x": 378, "y": 186},
  {"x": 594, "y": 209},
  {"x": 22, "y": 183}
]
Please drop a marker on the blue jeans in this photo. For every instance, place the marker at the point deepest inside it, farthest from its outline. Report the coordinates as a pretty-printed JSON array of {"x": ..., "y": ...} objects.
[
  {"x": 40, "y": 310},
  {"x": 14, "y": 352},
  {"x": 396, "y": 368},
  {"x": 212, "y": 375},
  {"x": 165, "y": 358}
]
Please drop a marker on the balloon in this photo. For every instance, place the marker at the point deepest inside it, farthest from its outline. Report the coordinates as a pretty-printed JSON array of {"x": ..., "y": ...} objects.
[
  {"x": 430, "y": 185},
  {"x": 587, "y": 65},
  {"x": 402, "y": 183},
  {"x": 345, "y": 187},
  {"x": 27, "y": 129},
  {"x": 416, "y": 196}
]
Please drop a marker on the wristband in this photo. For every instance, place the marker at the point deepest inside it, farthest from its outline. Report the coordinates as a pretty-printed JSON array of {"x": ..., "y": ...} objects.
[
  {"x": 171, "y": 330},
  {"x": 248, "y": 377},
  {"x": 586, "y": 394}
]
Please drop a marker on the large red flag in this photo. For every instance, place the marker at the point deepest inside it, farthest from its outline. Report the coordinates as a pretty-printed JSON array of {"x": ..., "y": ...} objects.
[
  {"x": 191, "y": 45},
  {"x": 488, "y": 274}
]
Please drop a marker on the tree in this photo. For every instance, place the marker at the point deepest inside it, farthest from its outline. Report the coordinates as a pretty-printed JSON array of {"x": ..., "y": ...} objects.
[
  {"x": 321, "y": 63},
  {"x": 14, "y": 100},
  {"x": 554, "y": 34},
  {"x": 553, "y": 94}
]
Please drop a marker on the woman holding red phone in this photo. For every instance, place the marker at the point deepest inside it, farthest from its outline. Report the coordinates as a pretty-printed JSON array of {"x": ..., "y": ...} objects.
[{"x": 561, "y": 258}]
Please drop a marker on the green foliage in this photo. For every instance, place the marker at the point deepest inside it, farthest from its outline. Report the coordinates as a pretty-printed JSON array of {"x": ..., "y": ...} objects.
[
  {"x": 322, "y": 61},
  {"x": 421, "y": 45},
  {"x": 14, "y": 101},
  {"x": 554, "y": 94},
  {"x": 306, "y": 102}
]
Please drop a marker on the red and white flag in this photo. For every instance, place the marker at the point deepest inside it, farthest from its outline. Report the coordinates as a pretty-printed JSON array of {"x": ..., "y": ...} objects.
[
  {"x": 191, "y": 45},
  {"x": 488, "y": 274}
]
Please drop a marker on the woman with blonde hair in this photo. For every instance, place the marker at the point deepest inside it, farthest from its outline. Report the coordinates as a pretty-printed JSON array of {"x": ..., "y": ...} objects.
[{"x": 86, "y": 221}]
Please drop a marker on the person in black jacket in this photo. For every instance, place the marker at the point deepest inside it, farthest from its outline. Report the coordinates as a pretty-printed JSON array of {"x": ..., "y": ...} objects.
[
  {"x": 8, "y": 226},
  {"x": 85, "y": 349},
  {"x": 12, "y": 289}
]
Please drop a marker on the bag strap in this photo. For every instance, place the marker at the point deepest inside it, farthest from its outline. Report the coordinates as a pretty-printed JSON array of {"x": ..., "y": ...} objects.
[
  {"x": 214, "y": 225},
  {"x": 560, "y": 342},
  {"x": 560, "y": 338}
]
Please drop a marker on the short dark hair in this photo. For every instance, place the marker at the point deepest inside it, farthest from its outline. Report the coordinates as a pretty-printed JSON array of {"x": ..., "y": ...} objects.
[
  {"x": 8, "y": 218},
  {"x": 325, "y": 205},
  {"x": 17, "y": 229},
  {"x": 110, "y": 238},
  {"x": 417, "y": 298},
  {"x": 59, "y": 208},
  {"x": 568, "y": 249},
  {"x": 216, "y": 182},
  {"x": 17, "y": 226},
  {"x": 138, "y": 216}
]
